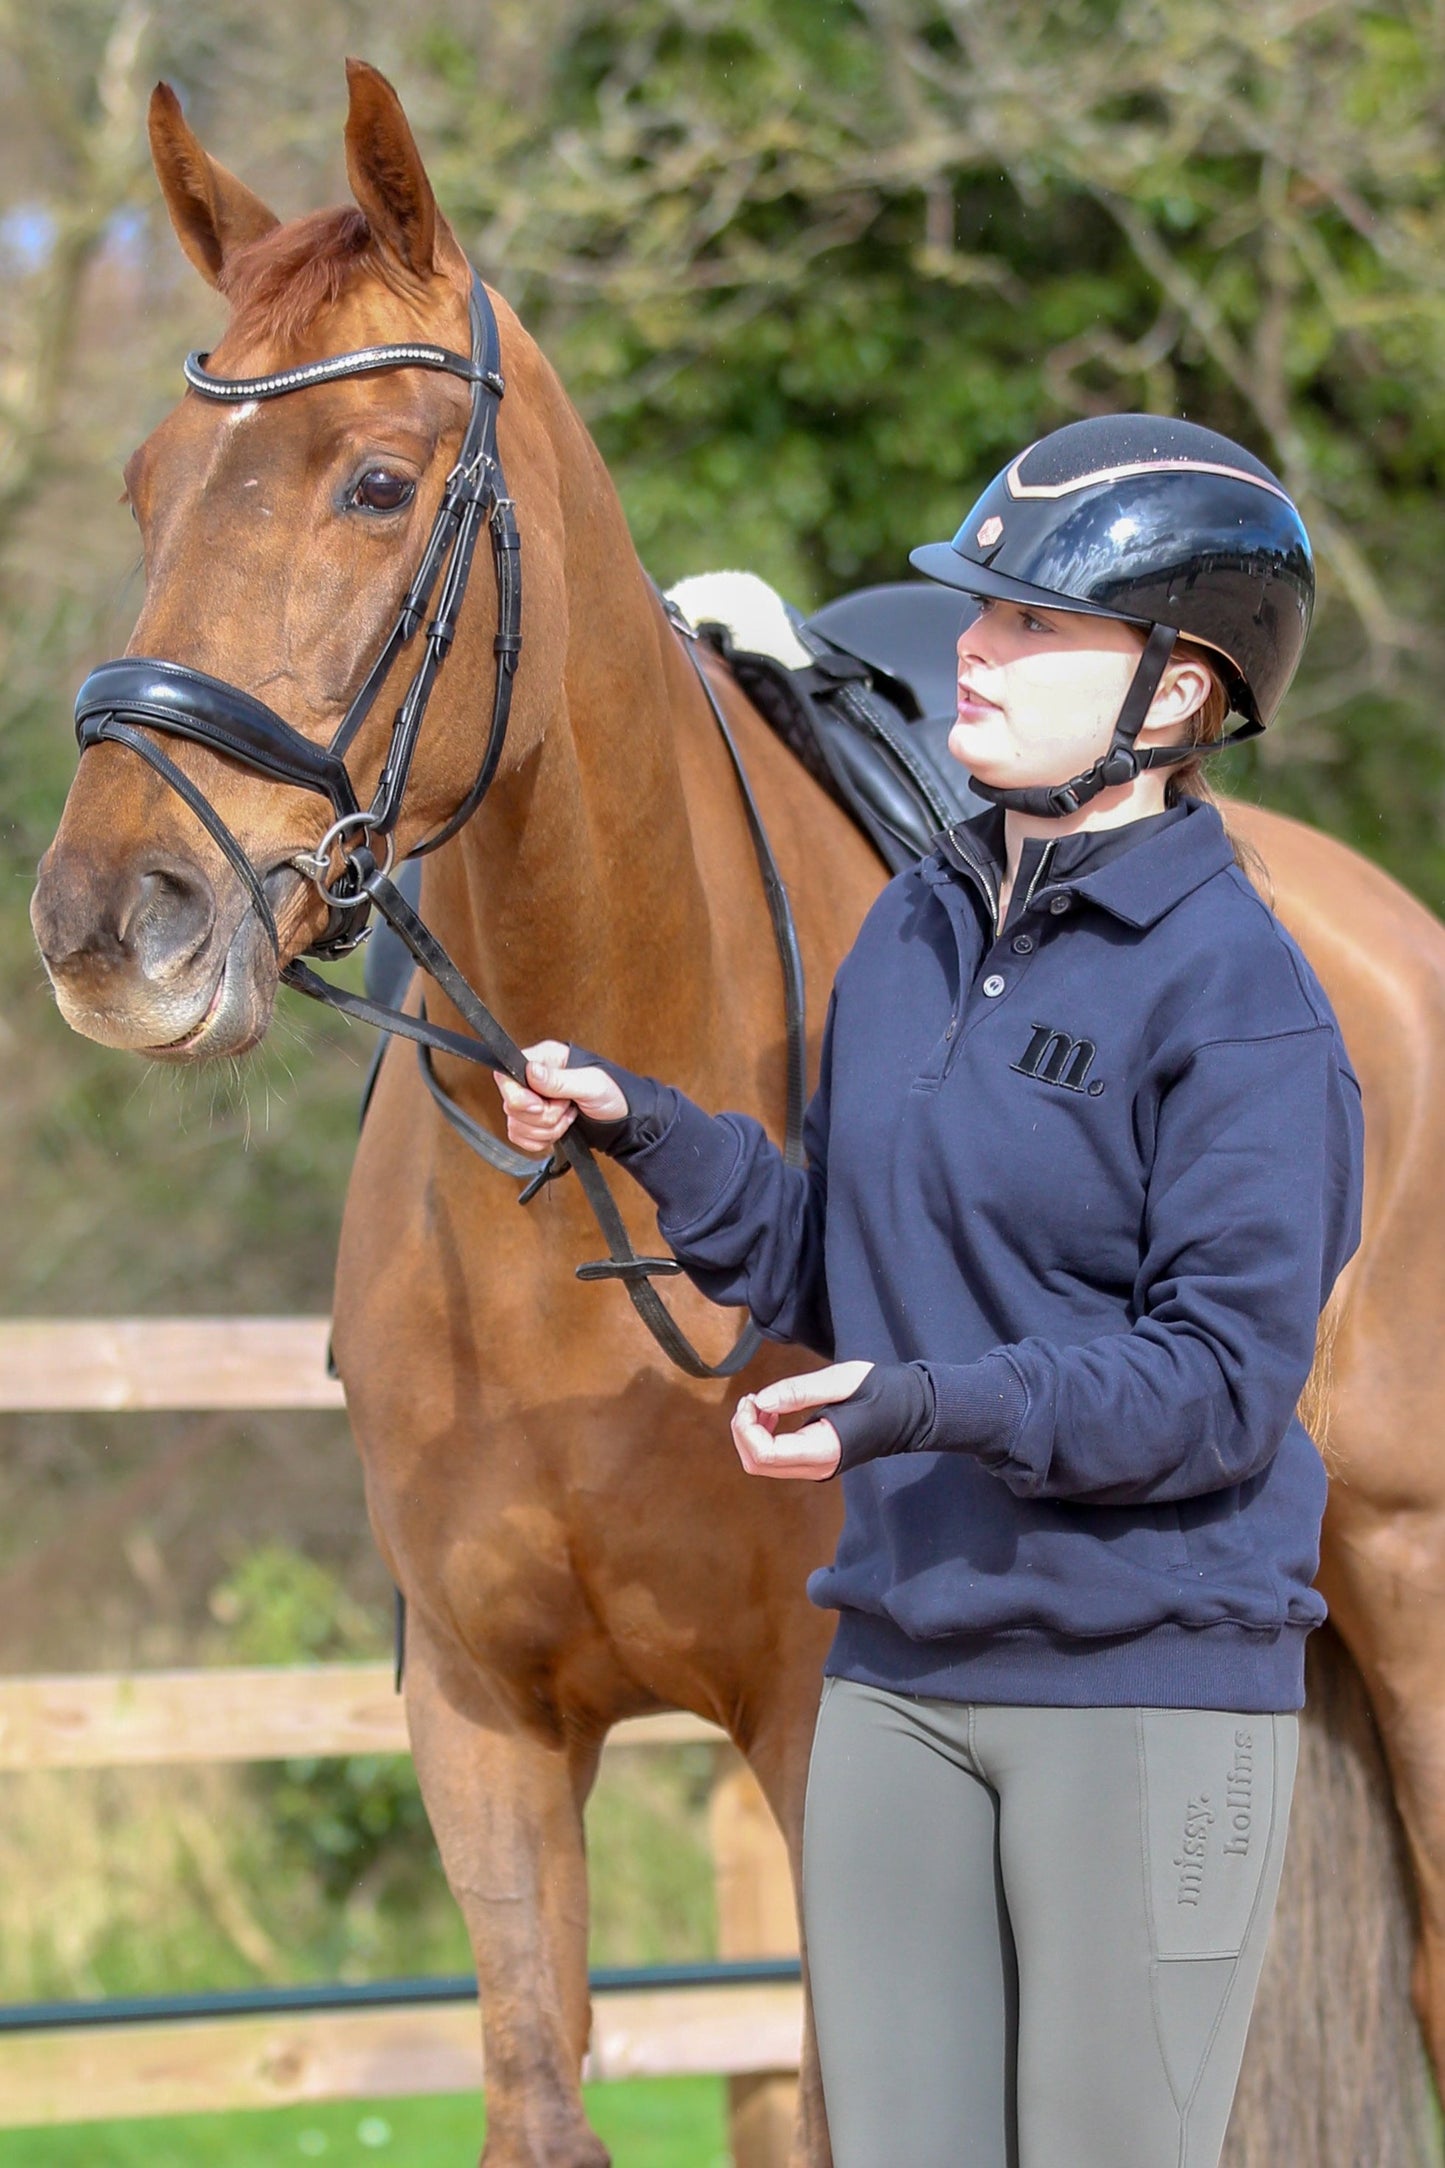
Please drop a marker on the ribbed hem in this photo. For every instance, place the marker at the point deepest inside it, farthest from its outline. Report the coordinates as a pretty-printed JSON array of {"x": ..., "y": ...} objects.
[{"x": 1170, "y": 1667}]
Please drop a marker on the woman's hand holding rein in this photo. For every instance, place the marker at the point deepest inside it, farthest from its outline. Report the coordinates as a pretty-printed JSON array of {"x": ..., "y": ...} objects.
[{"x": 536, "y": 1118}]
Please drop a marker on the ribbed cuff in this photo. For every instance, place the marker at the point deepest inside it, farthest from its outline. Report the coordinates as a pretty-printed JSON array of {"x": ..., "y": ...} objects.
[{"x": 979, "y": 1408}]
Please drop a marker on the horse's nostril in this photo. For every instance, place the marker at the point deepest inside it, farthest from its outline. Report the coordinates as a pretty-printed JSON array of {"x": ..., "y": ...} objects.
[
  {"x": 92, "y": 916},
  {"x": 166, "y": 917}
]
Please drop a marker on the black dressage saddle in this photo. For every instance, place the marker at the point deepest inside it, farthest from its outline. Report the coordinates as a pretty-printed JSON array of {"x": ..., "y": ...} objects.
[{"x": 869, "y": 717}]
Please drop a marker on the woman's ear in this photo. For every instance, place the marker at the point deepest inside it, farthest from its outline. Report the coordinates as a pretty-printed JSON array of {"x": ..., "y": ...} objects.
[{"x": 1183, "y": 690}]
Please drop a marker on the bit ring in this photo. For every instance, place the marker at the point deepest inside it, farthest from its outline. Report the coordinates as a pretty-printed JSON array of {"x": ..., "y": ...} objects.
[{"x": 316, "y": 865}]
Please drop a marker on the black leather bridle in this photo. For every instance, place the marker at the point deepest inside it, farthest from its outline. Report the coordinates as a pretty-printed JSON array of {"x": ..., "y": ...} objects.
[
  {"x": 122, "y": 701},
  {"x": 180, "y": 702}
]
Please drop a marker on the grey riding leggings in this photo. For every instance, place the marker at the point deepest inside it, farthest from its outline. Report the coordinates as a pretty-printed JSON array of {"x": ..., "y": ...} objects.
[{"x": 1034, "y": 1934}]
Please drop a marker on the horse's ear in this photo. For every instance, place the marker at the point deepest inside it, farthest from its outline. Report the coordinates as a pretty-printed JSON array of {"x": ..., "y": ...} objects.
[
  {"x": 388, "y": 178},
  {"x": 213, "y": 213}
]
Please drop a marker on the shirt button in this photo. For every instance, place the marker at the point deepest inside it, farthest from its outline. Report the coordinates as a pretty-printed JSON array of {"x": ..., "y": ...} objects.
[
  {"x": 1023, "y": 944},
  {"x": 994, "y": 984},
  {"x": 1059, "y": 904}
]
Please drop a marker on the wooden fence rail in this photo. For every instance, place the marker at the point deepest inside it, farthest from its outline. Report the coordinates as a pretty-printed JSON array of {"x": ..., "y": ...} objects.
[
  {"x": 104, "y": 1720},
  {"x": 750, "y": 2033}
]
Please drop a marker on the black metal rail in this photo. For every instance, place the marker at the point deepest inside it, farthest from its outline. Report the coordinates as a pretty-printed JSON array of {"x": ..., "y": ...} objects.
[{"x": 367, "y": 1995}]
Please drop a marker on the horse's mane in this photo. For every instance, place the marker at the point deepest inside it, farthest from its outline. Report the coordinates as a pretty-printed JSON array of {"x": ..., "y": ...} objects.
[{"x": 278, "y": 285}]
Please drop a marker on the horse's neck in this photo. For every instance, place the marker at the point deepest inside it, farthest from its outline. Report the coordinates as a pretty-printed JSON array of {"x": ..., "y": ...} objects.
[{"x": 573, "y": 898}]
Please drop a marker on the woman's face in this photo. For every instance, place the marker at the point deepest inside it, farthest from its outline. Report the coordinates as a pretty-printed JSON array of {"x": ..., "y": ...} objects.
[{"x": 1039, "y": 692}]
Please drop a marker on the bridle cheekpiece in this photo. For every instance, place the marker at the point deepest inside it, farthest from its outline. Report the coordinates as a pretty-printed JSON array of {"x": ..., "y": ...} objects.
[{"x": 122, "y": 701}]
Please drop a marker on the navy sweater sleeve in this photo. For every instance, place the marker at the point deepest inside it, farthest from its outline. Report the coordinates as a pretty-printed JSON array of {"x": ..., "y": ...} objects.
[
  {"x": 746, "y": 1227},
  {"x": 1253, "y": 1208}
]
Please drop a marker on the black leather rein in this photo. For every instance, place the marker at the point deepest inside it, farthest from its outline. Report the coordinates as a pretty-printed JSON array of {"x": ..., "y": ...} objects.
[{"x": 128, "y": 700}]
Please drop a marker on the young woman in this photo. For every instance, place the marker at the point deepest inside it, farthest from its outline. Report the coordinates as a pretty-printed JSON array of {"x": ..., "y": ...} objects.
[{"x": 1084, "y": 1162}]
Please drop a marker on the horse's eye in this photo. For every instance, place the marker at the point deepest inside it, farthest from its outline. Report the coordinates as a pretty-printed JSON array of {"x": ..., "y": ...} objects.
[{"x": 379, "y": 490}]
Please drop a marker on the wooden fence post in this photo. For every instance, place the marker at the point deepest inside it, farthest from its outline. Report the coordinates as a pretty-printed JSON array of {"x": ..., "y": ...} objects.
[{"x": 757, "y": 1917}]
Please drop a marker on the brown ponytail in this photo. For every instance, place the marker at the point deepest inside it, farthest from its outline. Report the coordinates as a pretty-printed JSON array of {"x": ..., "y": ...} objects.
[{"x": 1189, "y": 779}]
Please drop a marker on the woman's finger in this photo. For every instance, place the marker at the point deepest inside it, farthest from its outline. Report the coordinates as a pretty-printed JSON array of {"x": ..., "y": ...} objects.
[
  {"x": 813, "y": 1389},
  {"x": 751, "y": 1434},
  {"x": 543, "y": 1128},
  {"x": 593, "y": 1089},
  {"x": 515, "y": 1096},
  {"x": 549, "y": 1053},
  {"x": 809, "y": 1455}
]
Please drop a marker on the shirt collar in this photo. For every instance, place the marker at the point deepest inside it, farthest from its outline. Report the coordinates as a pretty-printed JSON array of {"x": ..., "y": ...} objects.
[{"x": 1137, "y": 872}]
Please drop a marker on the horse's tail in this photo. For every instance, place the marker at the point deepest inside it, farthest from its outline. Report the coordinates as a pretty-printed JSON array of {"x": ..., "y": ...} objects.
[{"x": 1335, "y": 2074}]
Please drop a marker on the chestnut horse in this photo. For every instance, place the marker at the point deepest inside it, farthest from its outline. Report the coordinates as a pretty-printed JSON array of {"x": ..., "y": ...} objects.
[{"x": 563, "y": 1511}]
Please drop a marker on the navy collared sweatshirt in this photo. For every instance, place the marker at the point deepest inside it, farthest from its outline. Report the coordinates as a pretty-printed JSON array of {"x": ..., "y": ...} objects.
[{"x": 1091, "y": 1177}]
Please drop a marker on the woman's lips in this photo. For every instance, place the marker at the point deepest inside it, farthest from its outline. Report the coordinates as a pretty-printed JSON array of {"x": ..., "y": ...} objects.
[{"x": 972, "y": 704}]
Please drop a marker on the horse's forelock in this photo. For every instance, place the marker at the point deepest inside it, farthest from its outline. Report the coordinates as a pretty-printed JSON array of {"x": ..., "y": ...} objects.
[{"x": 278, "y": 285}]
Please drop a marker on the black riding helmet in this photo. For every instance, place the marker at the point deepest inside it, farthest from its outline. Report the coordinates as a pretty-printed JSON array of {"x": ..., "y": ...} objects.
[{"x": 1166, "y": 525}]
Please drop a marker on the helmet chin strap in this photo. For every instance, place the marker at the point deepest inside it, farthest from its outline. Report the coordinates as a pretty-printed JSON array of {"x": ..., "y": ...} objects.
[{"x": 1121, "y": 762}]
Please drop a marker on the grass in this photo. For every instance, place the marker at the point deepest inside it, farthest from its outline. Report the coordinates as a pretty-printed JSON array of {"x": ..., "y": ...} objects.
[{"x": 662, "y": 2123}]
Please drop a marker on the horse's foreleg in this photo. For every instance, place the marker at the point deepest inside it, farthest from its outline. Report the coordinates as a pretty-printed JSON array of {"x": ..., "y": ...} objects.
[
  {"x": 1384, "y": 1576},
  {"x": 505, "y": 1804}
]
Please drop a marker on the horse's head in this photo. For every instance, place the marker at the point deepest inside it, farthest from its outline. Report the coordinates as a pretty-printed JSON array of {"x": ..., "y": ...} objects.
[{"x": 281, "y": 534}]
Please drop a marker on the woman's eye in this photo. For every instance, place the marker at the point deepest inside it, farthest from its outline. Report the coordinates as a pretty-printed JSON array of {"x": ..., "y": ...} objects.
[
  {"x": 1032, "y": 623},
  {"x": 379, "y": 490}
]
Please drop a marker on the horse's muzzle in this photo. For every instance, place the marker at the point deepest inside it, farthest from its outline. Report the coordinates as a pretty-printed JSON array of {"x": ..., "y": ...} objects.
[{"x": 139, "y": 959}]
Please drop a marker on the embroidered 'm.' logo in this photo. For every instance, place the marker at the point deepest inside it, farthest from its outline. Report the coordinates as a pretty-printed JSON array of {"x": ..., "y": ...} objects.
[{"x": 1054, "y": 1057}]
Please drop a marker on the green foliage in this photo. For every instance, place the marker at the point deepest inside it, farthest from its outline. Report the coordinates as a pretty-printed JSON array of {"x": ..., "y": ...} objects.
[
  {"x": 278, "y": 1607},
  {"x": 813, "y": 274},
  {"x": 343, "y": 1819}
]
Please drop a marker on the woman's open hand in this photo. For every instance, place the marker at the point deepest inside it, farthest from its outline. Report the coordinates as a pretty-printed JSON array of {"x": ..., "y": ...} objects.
[
  {"x": 811, "y": 1453},
  {"x": 537, "y": 1117}
]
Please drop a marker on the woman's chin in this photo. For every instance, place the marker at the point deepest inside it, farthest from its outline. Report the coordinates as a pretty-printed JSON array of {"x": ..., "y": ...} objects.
[{"x": 969, "y": 746}]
